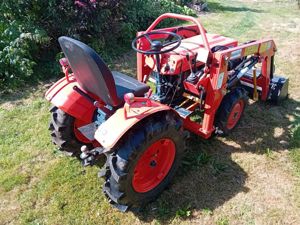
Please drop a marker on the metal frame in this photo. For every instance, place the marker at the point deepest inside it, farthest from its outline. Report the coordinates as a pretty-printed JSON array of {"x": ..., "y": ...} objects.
[
  {"x": 213, "y": 83},
  {"x": 216, "y": 72}
]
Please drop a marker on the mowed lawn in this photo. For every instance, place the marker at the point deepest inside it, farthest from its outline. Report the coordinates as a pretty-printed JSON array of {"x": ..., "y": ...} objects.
[{"x": 250, "y": 177}]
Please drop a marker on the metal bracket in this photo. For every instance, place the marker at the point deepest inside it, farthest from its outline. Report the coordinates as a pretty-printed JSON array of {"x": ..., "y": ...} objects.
[{"x": 89, "y": 157}]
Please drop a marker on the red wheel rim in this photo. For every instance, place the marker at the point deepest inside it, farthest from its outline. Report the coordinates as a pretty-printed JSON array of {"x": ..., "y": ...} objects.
[
  {"x": 235, "y": 114},
  {"x": 79, "y": 136},
  {"x": 154, "y": 165}
]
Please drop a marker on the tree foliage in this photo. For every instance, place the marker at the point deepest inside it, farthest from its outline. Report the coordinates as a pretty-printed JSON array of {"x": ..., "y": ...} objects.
[{"x": 29, "y": 30}]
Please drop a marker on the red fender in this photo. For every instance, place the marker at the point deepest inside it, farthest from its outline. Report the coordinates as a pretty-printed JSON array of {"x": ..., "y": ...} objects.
[
  {"x": 62, "y": 95},
  {"x": 110, "y": 132}
]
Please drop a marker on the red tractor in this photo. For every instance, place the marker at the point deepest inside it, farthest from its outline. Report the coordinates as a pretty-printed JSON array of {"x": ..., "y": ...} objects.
[{"x": 97, "y": 111}]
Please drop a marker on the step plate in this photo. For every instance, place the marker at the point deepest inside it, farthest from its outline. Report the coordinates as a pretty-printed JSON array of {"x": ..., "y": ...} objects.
[{"x": 184, "y": 113}]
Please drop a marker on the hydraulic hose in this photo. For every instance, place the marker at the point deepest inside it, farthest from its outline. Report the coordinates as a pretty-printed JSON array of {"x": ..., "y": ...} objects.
[{"x": 241, "y": 70}]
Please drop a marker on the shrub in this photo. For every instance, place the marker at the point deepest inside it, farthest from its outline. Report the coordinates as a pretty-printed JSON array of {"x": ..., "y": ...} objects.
[
  {"x": 30, "y": 29},
  {"x": 18, "y": 48}
]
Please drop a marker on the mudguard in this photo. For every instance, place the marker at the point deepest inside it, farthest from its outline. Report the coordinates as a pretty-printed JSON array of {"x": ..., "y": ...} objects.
[
  {"x": 62, "y": 95},
  {"x": 111, "y": 131}
]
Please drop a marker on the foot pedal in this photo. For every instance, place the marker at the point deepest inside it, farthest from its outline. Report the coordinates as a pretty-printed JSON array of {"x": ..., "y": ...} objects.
[{"x": 184, "y": 113}]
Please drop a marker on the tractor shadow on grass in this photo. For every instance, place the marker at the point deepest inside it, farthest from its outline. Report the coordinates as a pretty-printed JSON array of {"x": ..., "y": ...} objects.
[
  {"x": 209, "y": 176},
  {"x": 220, "y": 7},
  {"x": 23, "y": 95}
]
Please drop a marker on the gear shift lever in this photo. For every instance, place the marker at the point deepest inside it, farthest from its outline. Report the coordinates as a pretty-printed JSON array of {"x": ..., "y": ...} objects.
[
  {"x": 192, "y": 78},
  {"x": 189, "y": 62}
]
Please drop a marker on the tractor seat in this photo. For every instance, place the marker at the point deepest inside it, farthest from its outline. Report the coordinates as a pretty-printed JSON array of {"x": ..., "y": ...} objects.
[
  {"x": 126, "y": 84},
  {"x": 93, "y": 75}
]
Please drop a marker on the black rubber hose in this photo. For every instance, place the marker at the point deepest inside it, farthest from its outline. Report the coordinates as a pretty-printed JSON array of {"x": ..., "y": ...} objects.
[{"x": 238, "y": 74}]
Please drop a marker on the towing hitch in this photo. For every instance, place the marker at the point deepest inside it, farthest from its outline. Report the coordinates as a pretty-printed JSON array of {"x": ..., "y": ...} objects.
[{"x": 89, "y": 157}]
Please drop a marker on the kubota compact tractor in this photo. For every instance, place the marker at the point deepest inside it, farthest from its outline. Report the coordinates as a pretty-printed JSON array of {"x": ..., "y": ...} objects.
[{"x": 97, "y": 111}]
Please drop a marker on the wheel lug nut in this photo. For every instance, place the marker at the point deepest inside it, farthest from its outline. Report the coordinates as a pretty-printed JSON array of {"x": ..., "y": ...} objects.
[{"x": 153, "y": 163}]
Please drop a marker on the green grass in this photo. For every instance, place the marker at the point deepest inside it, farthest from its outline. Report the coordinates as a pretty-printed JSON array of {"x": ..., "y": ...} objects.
[
  {"x": 295, "y": 143},
  {"x": 184, "y": 212},
  {"x": 223, "y": 221},
  {"x": 221, "y": 181}
]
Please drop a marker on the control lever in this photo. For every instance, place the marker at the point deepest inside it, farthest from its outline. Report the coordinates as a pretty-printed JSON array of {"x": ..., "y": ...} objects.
[
  {"x": 190, "y": 64},
  {"x": 192, "y": 78},
  {"x": 195, "y": 62}
]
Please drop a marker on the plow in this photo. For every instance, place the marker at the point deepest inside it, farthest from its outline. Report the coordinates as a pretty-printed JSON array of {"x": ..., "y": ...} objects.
[{"x": 141, "y": 125}]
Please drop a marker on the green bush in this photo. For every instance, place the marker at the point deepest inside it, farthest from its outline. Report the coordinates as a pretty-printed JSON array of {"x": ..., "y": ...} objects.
[
  {"x": 30, "y": 29},
  {"x": 18, "y": 48}
]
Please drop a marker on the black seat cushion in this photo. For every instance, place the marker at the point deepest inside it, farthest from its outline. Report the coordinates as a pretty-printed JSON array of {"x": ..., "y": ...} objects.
[{"x": 126, "y": 84}]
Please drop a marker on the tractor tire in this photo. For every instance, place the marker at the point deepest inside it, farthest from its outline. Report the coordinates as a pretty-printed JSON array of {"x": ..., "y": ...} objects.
[
  {"x": 144, "y": 163},
  {"x": 231, "y": 110},
  {"x": 61, "y": 128}
]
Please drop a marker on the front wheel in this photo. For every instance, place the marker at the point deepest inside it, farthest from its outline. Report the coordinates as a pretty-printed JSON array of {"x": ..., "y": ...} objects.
[
  {"x": 231, "y": 110},
  {"x": 145, "y": 163}
]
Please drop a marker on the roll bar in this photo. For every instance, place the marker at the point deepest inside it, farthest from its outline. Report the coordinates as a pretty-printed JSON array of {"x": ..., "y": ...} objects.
[{"x": 185, "y": 18}]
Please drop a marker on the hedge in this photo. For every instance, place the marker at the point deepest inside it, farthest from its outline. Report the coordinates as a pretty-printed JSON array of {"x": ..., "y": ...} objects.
[{"x": 29, "y": 30}]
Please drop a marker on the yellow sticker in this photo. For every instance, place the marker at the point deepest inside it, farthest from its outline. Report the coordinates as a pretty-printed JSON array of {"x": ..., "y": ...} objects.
[
  {"x": 264, "y": 47},
  {"x": 250, "y": 50}
]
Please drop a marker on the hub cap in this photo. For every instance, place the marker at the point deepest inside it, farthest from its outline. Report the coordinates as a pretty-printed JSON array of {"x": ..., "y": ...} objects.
[
  {"x": 154, "y": 165},
  {"x": 235, "y": 114}
]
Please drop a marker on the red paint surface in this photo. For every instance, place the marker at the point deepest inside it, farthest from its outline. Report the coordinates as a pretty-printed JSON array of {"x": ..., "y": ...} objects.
[
  {"x": 235, "y": 114},
  {"x": 154, "y": 165}
]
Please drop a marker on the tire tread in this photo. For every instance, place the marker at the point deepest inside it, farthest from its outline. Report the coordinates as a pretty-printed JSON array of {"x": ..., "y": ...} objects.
[
  {"x": 61, "y": 132},
  {"x": 120, "y": 162}
]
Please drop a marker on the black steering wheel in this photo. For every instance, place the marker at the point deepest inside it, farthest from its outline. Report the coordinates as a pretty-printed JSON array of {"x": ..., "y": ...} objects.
[{"x": 156, "y": 46}]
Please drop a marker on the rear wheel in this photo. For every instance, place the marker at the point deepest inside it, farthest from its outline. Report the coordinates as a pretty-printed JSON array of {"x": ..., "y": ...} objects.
[
  {"x": 231, "y": 110},
  {"x": 64, "y": 132},
  {"x": 144, "y": 164}
]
